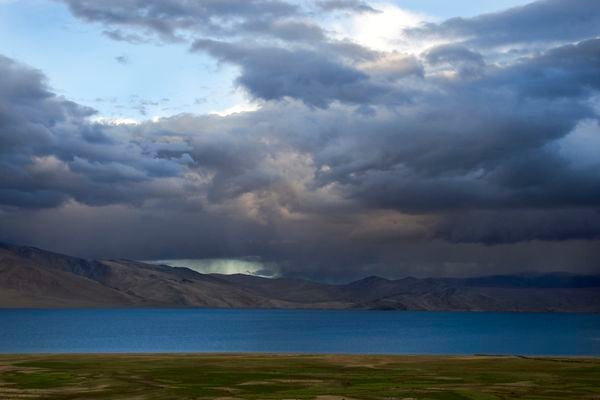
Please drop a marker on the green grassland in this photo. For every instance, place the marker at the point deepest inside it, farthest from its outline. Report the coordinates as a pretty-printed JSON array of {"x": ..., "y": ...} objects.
[{"x": 296, "y": 377}]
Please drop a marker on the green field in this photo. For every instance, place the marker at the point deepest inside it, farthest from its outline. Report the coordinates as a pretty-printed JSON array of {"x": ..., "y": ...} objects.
[{"x": 296, "y": 377}]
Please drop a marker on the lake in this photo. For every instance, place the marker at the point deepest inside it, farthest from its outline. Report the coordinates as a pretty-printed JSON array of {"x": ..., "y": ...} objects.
[{"x": 297, "y": 331}]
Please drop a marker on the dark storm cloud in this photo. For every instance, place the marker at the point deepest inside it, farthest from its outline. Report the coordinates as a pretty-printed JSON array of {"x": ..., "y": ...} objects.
[
  {"x": 50, "y": 151},
  {"x": 453, "y": 53},
  {"x": 272, "y": 73},
  {"x": 357, "y": 162},
  {"x": 453, "y": 150},
  {"x": 540, "y": 21},
  {"x": 466, "y": 62},
  {"x": 307, "y": 250},
  {"x": 305, "y": 184},
  {"x": 512, "y": 226},
  {"x": 569, "y": 71}
]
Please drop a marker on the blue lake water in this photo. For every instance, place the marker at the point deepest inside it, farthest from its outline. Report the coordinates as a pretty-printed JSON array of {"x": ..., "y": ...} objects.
[{"x": 297, "y": 331}]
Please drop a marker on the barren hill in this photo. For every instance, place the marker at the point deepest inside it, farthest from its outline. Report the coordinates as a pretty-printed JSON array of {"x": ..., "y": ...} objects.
[{"x": 31, "y": 277}]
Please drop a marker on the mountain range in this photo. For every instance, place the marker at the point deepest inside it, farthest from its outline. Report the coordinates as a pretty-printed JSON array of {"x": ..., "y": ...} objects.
[{"x": 35, "y": 278}]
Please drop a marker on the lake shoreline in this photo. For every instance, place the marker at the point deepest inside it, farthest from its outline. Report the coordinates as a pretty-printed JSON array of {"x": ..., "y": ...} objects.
[
  {"x": 366, "y": 310},
  {"x": 283, "y": 354}
]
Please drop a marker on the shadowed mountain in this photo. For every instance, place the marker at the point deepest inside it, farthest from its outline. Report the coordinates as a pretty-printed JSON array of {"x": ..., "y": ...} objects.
[{"x": 31, "y": 277}]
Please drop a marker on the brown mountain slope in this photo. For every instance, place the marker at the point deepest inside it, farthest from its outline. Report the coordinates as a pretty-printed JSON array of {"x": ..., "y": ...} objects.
[
  {"x": 31, "y": 277},
  {"x": 489, "y": 294},
  {"x": 28, "y": 282}
]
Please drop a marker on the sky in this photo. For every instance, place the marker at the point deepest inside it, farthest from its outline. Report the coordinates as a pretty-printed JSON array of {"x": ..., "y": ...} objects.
[{"x": 323, "y": 139}]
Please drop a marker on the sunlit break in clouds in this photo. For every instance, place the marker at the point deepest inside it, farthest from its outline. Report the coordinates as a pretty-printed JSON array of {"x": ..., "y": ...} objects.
[
  {"x": 326, "y": 139},
  {"x": 222, "y": 266}
]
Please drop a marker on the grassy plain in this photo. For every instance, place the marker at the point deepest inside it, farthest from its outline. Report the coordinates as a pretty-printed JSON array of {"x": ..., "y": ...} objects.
[{"x": 321, "y": 377}]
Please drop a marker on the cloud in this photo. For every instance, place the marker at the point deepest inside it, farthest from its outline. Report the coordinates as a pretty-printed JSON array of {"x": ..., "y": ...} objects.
[
  {"x": 306, "y": 183},
  {"x": 456, "y": 58},
  {"x": 567, "y": 71},
  {"x": 122, "y": 59},
  {"x": 169, "y": 20},
  {"x": 346, "y": 5},
  {"x": 52, "y": 152},
  {"x": 513, "y": 226},
  {"x": 286, "y": 30},
  {"x": 272, "y": 73},
  {"x": 352, "y": 160},
  {"x": 548, "y": 21}
]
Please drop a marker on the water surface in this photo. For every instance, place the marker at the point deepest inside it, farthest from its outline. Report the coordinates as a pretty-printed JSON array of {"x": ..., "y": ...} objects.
[{"x": 297, "y": 331}]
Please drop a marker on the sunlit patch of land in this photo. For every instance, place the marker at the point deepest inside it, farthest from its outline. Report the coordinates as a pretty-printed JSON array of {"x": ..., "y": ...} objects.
[{"x": 321, "y": 377}]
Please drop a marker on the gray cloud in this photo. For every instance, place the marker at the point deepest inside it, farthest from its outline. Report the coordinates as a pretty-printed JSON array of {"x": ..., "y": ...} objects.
[
  {"x": 122, "y": 59},
  {"x": 568, "y": 71},
  {"x": 304, "y": 184},
  {"x": 512, "y": 226},
  {"x": 286, "y": 30},
  {"x": 346, "y": 5},
  {"x": 51, "y": 152},
  {"x": 170, "y": 19},
  {"x": 357, "y": 162},
  {"x": 272, "y": 73},
  {"x": 466, "y": 62},
  {"x": 539, "y": 21}
]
